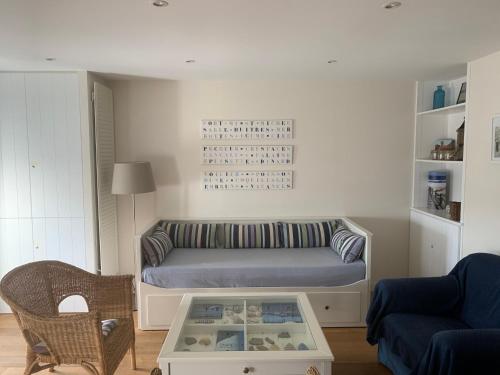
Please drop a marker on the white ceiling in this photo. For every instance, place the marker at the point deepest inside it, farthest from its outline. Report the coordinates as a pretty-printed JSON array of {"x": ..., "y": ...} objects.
[{"x": 249, "y": 39}]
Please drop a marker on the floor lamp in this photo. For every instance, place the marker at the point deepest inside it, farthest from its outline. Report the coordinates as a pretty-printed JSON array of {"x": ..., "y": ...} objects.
[{"x": 133, "y": 178}]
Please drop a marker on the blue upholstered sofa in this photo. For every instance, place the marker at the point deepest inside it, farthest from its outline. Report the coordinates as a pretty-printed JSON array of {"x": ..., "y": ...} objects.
[{"x": 446, "y": 325}]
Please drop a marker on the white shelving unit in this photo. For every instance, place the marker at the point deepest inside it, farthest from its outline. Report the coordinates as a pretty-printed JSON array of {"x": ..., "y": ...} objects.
[{"x": 435, "y": 239}]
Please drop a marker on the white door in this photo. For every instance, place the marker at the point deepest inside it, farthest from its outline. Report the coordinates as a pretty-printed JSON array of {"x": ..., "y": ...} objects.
[
  {"x": 41, "y": 171},
  {"x": 16, "y": 247},
  {"x": 434, "y": 245},
  {"x": 15, "y": 199},
  {"x": 55, "y": 151},
  {"x": 105, "y": 158}
]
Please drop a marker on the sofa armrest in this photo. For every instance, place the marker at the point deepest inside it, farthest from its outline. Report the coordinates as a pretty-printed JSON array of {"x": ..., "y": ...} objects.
[
  {"x": 428, "y": 296},
  {"x": 460, "y": 352}
]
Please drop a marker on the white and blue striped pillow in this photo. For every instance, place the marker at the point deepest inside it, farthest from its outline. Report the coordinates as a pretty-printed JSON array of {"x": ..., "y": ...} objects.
[
  {"x": 347, "y": 244},
  {"x": 108, "y": 325},
  {"x": 239, "y": 236},
  {"x": 299, "y": 235},
  {"x": 192, "y": 235},
  {"x": 156, "y": 247}
]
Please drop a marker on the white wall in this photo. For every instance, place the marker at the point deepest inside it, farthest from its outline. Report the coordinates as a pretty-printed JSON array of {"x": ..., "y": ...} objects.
[
  {"x": 353, "y": 153},
  {"x": 482, "y": 183}
]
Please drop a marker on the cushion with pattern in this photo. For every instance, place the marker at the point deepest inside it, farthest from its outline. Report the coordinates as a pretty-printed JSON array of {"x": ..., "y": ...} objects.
[
  {"x": 297, "y": 235},
  {"x": 192, "y": 235},
  {"x": 347, "y": 244},
  {"x": 156, "y": 246},
  {"x": 239, "y": 236}
]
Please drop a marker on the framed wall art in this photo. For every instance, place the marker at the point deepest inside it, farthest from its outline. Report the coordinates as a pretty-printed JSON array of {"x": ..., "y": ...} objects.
[
  {"x": 495, "y": 139},
  {"x": 247, "y": 180},
  {"x": 462, "y": 94},
  {"x": 246, "y": 129},
  {"x": 246, "y": 155}
]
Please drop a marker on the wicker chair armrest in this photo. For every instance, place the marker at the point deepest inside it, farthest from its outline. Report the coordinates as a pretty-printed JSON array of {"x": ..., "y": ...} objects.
[
  {"x": 114, "y": 297},
  {"x": 66, "y": 336}
]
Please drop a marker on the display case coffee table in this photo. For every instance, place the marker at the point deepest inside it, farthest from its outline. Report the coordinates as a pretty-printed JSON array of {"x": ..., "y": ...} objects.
[{"x": 254, "y": 333}]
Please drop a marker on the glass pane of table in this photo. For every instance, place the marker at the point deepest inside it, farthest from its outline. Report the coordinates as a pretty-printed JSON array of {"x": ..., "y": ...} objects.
[{"x": 245, "y": 324}]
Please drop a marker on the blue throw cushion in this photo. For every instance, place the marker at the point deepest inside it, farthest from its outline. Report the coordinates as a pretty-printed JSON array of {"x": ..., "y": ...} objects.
[
  {"x": 347, "y": 244},
  {"x": 192, "y": 235},
  {"x": 156, "y": 246},
  {"x": 240, "y": 236},
  {"x": 298, "y": 235}
]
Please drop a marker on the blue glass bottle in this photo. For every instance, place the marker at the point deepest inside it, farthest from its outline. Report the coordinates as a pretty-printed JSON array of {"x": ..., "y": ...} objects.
[{"x": 438, "y": 98}]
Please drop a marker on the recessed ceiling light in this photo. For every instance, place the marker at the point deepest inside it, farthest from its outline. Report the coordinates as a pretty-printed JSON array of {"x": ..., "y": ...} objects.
[
  {"x": 190, "y": 61},
  {"x": 160, "y": 3},
  {"x": 50, "y": 59},
  {"x": 332, "y": 61},
  {"x": 393, "y": 5}
]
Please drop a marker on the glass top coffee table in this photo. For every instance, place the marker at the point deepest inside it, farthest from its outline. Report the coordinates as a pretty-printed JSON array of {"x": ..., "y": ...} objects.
[{"x": 264, "y": 333}]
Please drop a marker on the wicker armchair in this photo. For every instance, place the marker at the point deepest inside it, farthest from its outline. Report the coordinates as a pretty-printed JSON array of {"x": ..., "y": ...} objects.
[{"x": 34, "y": 291}]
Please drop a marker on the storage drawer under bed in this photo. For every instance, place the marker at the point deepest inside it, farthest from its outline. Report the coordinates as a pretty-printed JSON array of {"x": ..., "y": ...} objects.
[{"x": 331, "y": 308}]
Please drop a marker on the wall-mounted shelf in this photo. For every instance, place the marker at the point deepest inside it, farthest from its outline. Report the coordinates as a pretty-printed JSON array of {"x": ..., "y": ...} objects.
[
  {"x": 457, "y": 108},
  {"x": 437, "y": 214},
  {"x": 439, "y": 161}
]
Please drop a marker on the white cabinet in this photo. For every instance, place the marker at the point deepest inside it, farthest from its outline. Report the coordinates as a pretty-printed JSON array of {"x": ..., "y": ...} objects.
[
  {"x": 42, "y": 154},
  {"x": 434, "y": 245}
]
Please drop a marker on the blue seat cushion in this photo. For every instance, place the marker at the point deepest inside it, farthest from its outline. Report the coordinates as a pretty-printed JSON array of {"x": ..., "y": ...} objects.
[{"x": 409, "y": 335}]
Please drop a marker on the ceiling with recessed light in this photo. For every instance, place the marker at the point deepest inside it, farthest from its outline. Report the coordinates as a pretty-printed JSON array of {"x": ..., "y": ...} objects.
[{"x": 241, "y": 39}]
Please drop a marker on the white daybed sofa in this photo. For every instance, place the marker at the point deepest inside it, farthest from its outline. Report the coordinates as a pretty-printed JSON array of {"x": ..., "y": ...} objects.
[{"x": 335, "y": 306}]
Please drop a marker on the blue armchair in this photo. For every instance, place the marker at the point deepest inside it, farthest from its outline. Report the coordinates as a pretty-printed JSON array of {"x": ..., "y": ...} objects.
[{"x": 446, "y": 325}]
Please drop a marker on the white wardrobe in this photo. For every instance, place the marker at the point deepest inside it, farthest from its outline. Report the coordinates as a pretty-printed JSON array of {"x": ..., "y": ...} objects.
[{"x": 47, "y": 208}]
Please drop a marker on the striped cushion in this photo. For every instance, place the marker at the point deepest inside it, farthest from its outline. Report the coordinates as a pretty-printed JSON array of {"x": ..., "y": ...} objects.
[
  {"x": 186, "y": 235},
  {"x": 239, "y": 236},
  {"x": 347, "y": 244},
  {"x": 296, "y": 235},
  {"x": 108, "y": 325},
  {"x": 156, "y": 247}
]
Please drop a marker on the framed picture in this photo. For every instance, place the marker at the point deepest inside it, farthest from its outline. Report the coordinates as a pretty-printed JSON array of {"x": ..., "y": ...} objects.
[
  {"x": 462, "y": 93},
  {"x": 495, "y": 139}
]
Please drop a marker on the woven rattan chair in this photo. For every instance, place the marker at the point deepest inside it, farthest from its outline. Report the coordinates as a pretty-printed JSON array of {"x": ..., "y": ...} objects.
[{"x": 34, "y": 291}]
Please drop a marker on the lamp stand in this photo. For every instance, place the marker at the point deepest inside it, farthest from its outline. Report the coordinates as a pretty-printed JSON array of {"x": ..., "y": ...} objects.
[
  {"x": 134, "y": 233},
  {"x": 133, "y": 210}
]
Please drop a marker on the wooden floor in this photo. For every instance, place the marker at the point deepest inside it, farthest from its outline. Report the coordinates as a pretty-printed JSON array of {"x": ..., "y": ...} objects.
[{"x": 353, "y": 356}]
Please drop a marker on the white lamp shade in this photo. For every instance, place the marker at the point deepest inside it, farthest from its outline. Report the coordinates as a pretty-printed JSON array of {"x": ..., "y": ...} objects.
[{"x": 133, "y": 178}]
